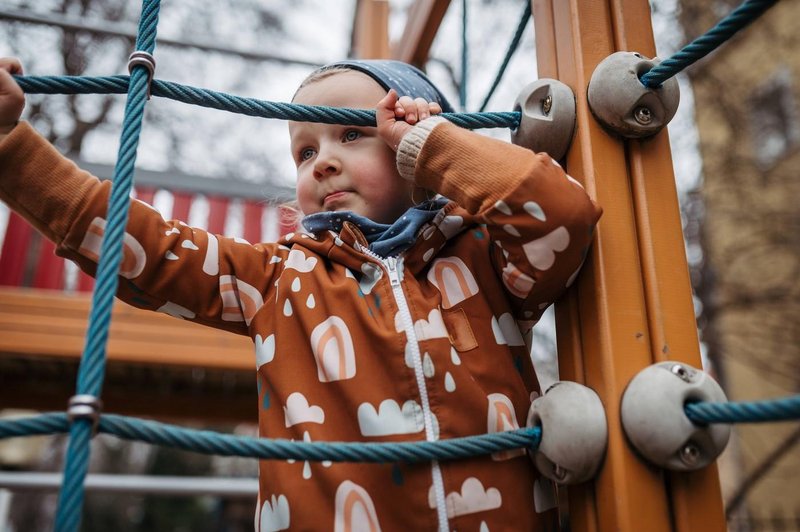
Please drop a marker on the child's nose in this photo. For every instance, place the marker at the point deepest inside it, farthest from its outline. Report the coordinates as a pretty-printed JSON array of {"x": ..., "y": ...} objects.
[{"x": 327, "y": 164}]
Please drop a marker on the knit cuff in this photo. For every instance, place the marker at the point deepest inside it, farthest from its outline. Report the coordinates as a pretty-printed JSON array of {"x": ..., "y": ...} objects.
[{"x": 412, "y": 143}]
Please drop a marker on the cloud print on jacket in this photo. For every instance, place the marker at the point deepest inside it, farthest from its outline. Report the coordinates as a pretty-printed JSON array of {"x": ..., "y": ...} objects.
[
  {"x": 472, "y": 498},
  {"x": 390, "y": 418},
  {"x": 297, "y": 410},
  {"x": 274, "y": 516}
]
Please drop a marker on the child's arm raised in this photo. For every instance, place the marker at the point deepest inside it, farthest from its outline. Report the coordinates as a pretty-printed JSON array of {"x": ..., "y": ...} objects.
[
  {"x": 541, "y": 218},
  {"x": 166, "y": 266}
]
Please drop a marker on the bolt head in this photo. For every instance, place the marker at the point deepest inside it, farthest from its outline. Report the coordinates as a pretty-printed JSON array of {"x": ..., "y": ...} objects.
[
  {"x": 682, "y": 372},
  {"x": 547, "y": 104},
  {"x": 690, "y": 454},
  {"x": 643, "y": 115}
]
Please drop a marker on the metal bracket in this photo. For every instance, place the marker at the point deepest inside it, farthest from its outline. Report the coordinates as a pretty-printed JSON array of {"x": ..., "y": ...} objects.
[
  {"x": 574, "y": 432},
  {"x": 85, "y": 406},
  {"x": 145, "y": 59},
  {"x": 547, "y": 123},
  {"x": 654, "y": 420},
  {"x": 623, "y": 104}
]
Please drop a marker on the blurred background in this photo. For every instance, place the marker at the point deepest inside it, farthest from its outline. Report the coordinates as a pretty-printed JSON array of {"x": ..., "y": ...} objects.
[{"x": 735, "y": 149}]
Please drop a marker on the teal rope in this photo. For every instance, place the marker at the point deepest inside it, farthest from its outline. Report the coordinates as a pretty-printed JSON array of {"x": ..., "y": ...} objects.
[
  {"x": 523, "y": 23},
  {"x": 740, "y": 17},
  {"x": 208, "y": 442},
  {"x": 213, "y": 443},
  {"x": 245, "y": 106},
  {"x": 783, "y": 409},
  {"x": 92, "y": 367}
]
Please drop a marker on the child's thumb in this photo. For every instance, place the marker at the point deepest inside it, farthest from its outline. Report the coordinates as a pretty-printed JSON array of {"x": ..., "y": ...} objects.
[{"x": 12, "y": 99}]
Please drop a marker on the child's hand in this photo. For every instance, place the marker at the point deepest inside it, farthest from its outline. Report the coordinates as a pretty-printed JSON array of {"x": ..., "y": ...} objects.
[
  {"x": 396, "y": 116},
  {"x": 12, "y": 99}
]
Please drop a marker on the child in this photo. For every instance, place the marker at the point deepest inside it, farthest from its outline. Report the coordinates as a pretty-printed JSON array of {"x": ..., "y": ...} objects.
[{"x": 386, "y": 322}]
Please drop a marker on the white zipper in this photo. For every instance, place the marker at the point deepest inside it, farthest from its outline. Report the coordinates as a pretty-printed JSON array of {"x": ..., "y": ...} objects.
[{"x": 391, "y": 264}]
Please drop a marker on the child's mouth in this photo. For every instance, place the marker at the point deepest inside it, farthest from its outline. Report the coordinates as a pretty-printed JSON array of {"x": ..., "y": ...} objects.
[{"x": 335, "y": 196}]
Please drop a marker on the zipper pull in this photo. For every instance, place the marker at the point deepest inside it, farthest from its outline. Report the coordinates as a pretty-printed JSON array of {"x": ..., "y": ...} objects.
[{"x": 391, "y": 267}]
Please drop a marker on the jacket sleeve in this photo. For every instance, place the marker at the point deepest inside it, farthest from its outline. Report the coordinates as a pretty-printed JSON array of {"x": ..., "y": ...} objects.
[
  {"x": 166, "y": 265},
  {"x": 540, "y": 220}
]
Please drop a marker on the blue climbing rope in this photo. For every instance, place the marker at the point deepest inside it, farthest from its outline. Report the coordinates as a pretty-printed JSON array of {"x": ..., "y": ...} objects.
[
  {"x": 523, "y": 23},
  {"x": 246, "y": 106},
  {"x": 208, "y": 442},
  {"x": 92, "y": 367},
  {"x": 783, "y": 409},
  {"x": 740, "y": 17}
]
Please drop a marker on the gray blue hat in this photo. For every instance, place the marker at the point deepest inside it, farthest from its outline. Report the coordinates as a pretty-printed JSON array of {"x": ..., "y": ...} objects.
[{"x": 406, "y": 79}]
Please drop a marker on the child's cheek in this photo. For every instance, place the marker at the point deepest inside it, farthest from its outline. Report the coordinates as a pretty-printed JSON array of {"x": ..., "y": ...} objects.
[{"x": 305, "y": 196}]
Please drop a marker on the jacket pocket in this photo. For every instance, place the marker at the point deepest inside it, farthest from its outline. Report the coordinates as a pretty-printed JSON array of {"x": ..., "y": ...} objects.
[{"x": 459, "y": 329}]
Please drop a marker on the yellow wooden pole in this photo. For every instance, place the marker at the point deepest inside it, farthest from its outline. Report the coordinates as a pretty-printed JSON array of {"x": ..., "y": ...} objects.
[
  {"x": 632, "y": 306},
  {"x": 424, "y": 19},
  {"x": 371, "y": 29}
]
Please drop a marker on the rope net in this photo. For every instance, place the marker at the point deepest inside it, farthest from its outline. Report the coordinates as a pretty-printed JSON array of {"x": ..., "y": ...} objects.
[{"x": 138, "y": 86}]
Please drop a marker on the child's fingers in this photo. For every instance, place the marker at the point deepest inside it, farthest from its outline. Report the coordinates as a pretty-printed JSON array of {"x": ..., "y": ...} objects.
[
  {"x": 435, "y": 108},
  {"x": 423, "y": 108},
  {"x": 385, "y": 110},
  {"x": 11, "y": 65},
  {"x": 409, "y": 109}
]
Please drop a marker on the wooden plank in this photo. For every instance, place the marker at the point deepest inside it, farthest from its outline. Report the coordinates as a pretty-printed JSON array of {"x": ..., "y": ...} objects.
[
  {"x": 36, "y": 322},
  {"x": 424, "y": 19}
]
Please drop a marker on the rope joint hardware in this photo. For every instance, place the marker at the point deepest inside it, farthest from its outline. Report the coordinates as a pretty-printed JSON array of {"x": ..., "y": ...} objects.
[
  {"x": 85, "y": 406},
  {"x": 146, "y": 60}
]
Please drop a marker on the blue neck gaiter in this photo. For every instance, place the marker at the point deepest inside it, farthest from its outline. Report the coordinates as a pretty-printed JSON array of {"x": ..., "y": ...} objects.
[{"x": 386, "y": 240}]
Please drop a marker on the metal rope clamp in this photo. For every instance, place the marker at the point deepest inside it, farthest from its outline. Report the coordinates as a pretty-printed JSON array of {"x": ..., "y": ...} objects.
[
  {"x": 655, "y": 422},
  {"x": 547, "y": 122},
  {"x": 85, "y": 406},
  {"x": 142, "y": 58},
  {"x": 574, "y": 432},
  {"x": 623, "y": 104}
]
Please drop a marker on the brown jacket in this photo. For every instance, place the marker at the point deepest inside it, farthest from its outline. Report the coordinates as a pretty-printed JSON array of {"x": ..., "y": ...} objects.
[{"x": 353, "y": 347}]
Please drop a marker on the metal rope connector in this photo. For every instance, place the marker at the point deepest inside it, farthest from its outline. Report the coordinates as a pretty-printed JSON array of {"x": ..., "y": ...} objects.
[
  {"x": 141, "y": 58},
  {"x": 85, "y": 406}
]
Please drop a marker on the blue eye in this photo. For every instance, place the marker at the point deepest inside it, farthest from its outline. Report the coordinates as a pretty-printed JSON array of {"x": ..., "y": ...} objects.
[
  {"x": 351, "y": 134},
  {"x": 306, "y": 154}
]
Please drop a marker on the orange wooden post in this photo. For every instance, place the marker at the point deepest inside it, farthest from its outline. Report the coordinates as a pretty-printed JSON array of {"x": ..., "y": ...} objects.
[
  {"x": 424, "y": 19},
  {"x": 371, "y": 29},
  {"x": 632, "y": 306}
]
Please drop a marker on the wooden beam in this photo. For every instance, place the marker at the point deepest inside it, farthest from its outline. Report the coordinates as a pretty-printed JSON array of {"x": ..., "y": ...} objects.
[
  {"x": 42, "y": 322},
  {"x": 371, "y": 29},
  {"x": 424, "y": 19},
  {"x": 632, "y": 304},
  {"x": 158, "y": 366}
]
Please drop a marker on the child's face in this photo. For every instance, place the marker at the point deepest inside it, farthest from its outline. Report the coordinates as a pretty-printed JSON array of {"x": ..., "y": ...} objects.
[{"x": 346, "y": 168}]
